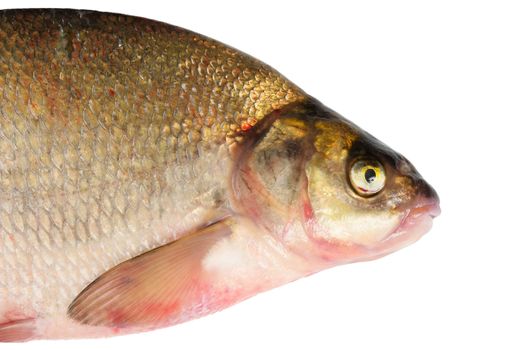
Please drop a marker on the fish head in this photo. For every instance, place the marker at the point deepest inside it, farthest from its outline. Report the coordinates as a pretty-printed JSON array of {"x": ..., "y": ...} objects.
[
  {"x": 364, "y": 200},
  {"x": 330, "y": 190}
]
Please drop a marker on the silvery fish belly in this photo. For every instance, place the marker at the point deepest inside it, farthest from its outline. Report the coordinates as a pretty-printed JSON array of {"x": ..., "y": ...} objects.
[{"x": 150, "y": 175}]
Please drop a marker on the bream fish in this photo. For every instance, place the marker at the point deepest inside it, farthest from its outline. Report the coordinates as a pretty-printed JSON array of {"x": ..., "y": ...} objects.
[{"x": 150, "y": 175}]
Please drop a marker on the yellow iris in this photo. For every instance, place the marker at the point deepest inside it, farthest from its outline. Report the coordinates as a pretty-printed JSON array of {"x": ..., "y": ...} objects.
[{"x": 367, "y": 177}]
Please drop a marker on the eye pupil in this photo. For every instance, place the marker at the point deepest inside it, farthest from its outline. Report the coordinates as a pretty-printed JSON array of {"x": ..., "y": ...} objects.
[{"x": 370, "y": 175}]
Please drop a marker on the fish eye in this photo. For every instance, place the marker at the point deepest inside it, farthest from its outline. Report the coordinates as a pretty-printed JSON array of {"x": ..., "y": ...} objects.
[{"x": 367, "y": 177}]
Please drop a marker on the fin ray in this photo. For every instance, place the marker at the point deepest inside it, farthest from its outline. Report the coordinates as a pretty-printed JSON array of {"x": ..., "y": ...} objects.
[
  {"x": 17, "y": 331},
  {"x": 150, "y": 289}
]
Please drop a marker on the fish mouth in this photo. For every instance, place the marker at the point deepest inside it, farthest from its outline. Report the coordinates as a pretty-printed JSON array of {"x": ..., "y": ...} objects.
[{"x": 417, "y": 221}]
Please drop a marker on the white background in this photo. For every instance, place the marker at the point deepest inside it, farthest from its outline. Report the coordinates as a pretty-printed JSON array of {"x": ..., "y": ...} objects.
[{"x": 444, "y": 83}]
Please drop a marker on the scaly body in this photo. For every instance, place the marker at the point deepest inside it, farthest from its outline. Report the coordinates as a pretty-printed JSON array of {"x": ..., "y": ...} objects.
[
  {"x": 92, "y": 158},
  {"x": 119, "y": 135}
]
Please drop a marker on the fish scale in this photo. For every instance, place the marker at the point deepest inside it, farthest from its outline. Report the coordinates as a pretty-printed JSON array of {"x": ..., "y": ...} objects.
[
  {"x": 150, "y": 175},
  {"x": 106, "y": 137}
]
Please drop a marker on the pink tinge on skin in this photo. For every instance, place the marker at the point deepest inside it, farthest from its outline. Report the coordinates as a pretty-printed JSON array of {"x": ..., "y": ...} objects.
[
  {"x": 422, "y": 213},
  {"x": 415, "y": 224},
  {"x": 17, "y": 331}
]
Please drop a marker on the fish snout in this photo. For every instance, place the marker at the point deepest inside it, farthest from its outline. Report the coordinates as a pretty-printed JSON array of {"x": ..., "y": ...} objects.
[{"x": 426, "y": 196}]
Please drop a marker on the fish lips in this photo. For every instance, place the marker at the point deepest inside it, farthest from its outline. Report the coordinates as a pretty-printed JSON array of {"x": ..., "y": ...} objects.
[{"x": 417, "y": 221}]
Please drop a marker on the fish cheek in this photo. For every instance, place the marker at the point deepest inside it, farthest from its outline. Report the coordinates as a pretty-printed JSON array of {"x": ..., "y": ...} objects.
[{"x": 341, "y": 217}]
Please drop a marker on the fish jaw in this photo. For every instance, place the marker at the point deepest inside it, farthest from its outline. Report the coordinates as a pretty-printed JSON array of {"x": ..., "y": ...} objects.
[
  {"x": 416, "y": 223},
  {"x": 323, "y": 253},
  {"x": 418, "y": 220}
]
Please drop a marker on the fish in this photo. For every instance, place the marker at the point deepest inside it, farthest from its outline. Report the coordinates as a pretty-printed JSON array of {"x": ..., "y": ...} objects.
[{"x": 150, "y": 175}]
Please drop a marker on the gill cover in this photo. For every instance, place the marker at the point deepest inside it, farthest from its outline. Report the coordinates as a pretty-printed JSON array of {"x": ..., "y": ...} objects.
[{"x": 269, "y": 180}]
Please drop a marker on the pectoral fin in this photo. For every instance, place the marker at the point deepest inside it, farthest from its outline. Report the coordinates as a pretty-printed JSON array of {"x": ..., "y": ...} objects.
[
  {"x": 151, "y": 289},
  {"x": 17, "y": 331}
]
